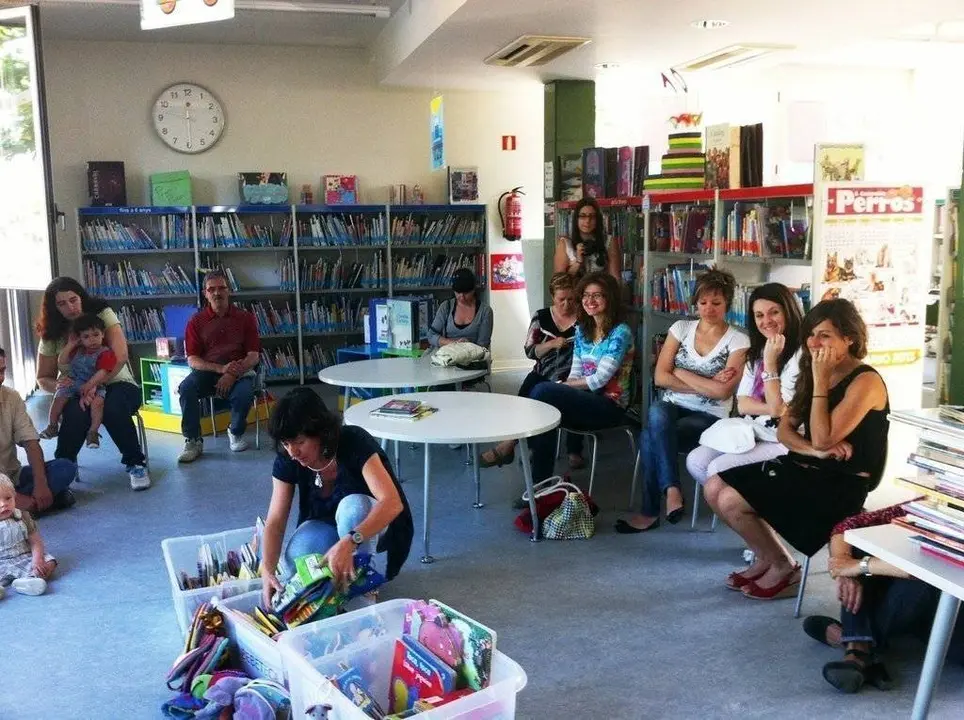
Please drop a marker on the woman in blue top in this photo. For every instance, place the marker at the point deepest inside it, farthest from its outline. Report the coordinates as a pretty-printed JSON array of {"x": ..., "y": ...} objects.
[
  {"x": 348, "y": 496},
  {"x": 596, "y": 393}
]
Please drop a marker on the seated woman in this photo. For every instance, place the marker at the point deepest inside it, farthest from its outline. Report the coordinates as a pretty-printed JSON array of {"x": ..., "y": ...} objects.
[
  {"x": 64, "y": 301},
  {"x": 348, "y": 497},
  {"x": 463, "y": 318},
  {"x": 596, "y": 393},
  {"x": 839, "y": 458},
  {"x": 878, "y": 603},
  {"x": 698, "y": 370},
  {"x": 586, "y": 250},
  {"x": 549, "y": 343},
  {"x": 769, "y": 376}
]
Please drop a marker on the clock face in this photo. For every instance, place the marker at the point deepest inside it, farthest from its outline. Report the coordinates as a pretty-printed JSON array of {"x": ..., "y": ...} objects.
[{"x": 188, "y": 118}]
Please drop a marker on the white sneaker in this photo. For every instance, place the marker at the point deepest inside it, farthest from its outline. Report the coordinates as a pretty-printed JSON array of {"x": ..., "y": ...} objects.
[
  {"x": 30, "y": 586},
  {"x": 140, "y": 480},
  {"x": 192, "y": 451},
  {"x": 237, "y": 442}
]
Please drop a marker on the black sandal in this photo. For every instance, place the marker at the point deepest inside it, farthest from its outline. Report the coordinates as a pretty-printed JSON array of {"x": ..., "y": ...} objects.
[
  {"x": 849, "y": 676},
  {"x": 500, "y": 459}
]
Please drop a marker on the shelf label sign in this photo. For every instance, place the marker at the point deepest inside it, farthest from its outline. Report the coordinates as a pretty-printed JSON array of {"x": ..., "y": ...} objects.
[
  {"x": 903, "y": 200},
  {"x": 173, "y": 13},
  {"x": 437, "y": 133}
]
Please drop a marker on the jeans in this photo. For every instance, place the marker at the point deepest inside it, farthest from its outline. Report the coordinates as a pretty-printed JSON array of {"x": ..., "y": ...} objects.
[
  {"x": 60, "y": 473},
  {"x": 201, "y": 384},
  {"x": 574, "y": 443},
  {"x": 581, "y": 410},
  {"x": 317, "y": 536},
  {"x": 122, "y": 401},
  {"x": 671, "y": 429},
  {"x": 897, "y": 606}
]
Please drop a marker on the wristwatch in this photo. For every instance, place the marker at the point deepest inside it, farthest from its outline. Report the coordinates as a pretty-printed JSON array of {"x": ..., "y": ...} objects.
[
  {"x": 865, "y": 566},
  {"x": 356, "y": 537}
]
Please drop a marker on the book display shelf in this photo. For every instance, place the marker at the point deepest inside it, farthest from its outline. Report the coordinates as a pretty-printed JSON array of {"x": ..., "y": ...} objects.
[
  {"x": 759, "y": 234},
  {"x": 307, "y": 272}
]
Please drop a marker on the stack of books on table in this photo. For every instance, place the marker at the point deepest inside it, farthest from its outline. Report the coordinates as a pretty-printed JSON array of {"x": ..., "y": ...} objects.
[
  {"x": 403, "y": 410},
  {"x": 952, "y": 413},
  {"x": 938, "y": 521}
]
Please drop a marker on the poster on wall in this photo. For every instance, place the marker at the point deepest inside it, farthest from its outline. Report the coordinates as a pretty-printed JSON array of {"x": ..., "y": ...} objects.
[
  {"x": 836, "y": 162},
  {"x": 872, "y": 250},
  {"x": 173, "y": 13},
  {"x": 437, "y": 133},
  {"x": 507, "y": 272}
]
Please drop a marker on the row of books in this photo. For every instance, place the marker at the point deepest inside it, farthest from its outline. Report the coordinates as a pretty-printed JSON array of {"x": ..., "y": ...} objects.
[
  {"x": 123, "y": 279},
  {"x": 229, "y": 231},
  {"x": 739, "y": 312},
  {"x": 672, "y": 287},
  {"x": 602, "y": 173},
  {"x": 164, "y": 232},
  {"x": 342, "y": 229},
  {"x": 280, "y": 362},
  {"x": 335, "y": 273},
  {"x": 318, "y": 357},
  {"x": 336, "y": 315},
  {"x": 426, "y": 270},
  {"x": 687, "y": 229},
  {"x": 767, "y": 230},
  {"x": 621, "y": 225},
  {"x": 233, "y": 284},
  {"x": 273, "y": 321},
  {"x": 141, "y": 324},
  {"x": 453, "y": 229}
]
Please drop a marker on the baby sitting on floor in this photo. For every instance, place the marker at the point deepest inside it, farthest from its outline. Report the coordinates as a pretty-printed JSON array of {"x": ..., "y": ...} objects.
[{"x": 23, "y": 562}]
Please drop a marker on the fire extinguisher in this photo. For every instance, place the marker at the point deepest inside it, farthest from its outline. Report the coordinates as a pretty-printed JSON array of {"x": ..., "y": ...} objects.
[{"x": 512, "y": 220}]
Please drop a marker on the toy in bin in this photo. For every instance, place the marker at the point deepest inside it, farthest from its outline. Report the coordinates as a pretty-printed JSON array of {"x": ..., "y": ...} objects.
[{"x": 311, "y": 593}]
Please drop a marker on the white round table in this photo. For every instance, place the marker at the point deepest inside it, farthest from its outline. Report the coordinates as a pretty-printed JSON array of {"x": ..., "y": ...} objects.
[
  {"x": 395, "y": 374},
  {"x": 462, "y": 417}
]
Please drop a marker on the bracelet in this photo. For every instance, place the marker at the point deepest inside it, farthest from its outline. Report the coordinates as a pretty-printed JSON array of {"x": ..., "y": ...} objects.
[
  {"x": 767, "y": 377},
  {"x": 819, "y": 396}
]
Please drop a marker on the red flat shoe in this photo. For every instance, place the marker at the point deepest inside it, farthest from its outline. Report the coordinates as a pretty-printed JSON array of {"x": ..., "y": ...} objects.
[
  {"x": 786, "y": 588},
  {"x": 736, "y": 581}
]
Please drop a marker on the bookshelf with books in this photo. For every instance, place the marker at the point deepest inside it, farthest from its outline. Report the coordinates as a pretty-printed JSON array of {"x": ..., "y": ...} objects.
[
  {"x": 944, "y": 268},
  {"x": 307, "y": 272}
]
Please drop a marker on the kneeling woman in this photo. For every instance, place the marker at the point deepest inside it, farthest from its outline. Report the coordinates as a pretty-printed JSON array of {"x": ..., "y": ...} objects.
[
  {"x": 348, "y": 497},
  {"x": 829, "y": 470}
]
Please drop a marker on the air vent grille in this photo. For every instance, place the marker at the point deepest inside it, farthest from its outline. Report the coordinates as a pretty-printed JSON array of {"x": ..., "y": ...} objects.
[{"x": 534, "y": 50}]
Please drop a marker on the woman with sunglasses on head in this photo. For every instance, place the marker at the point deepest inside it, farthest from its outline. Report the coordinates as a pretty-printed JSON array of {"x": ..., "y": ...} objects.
[
  {"x": 349, "y": 499},
  {"x": 596, "y": 393},
  {"x": 586, "y": 250}
]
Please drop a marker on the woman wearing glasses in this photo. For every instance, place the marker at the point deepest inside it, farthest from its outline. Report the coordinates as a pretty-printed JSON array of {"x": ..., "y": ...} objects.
[
  {"x": 348, "y": 496},
  {"x": 586, "y": 250},
  {"x": 596, "y": 393}
]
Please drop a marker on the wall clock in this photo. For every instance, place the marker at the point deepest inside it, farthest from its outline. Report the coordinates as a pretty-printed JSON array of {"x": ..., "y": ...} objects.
[{"x": 188, "y": 118}]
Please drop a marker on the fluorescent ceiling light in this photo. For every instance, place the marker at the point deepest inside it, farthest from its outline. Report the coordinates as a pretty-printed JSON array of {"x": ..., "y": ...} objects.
[{"x": 307, "y": 6}]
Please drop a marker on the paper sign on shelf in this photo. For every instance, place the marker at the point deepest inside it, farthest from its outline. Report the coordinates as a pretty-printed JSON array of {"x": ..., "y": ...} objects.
[
  {"x": 172, "y": 13},
  {"x": 871, "y": 248}
]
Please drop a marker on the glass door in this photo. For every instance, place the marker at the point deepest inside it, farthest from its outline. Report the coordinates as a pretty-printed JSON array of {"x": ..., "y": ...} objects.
[{"x": 27, "y": 213}]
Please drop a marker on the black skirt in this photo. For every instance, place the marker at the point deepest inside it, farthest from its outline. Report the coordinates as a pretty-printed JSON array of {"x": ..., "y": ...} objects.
[{"x": 802, "y": 503}]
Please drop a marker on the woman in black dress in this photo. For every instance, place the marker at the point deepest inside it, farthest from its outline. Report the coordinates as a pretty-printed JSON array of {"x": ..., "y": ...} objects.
[{"x": 838, "y": 459}]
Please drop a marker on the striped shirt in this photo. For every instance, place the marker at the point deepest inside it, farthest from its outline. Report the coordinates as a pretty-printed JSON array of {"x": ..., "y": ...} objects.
[
  {"x": 555, "y": 364},
  {"x": 607, "y": 365}
]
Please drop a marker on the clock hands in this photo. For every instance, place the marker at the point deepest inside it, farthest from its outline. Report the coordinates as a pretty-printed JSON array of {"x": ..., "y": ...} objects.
[{"x": 188, "y": 120}]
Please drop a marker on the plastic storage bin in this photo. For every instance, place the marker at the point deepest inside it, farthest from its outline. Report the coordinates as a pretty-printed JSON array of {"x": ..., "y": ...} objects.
[
  {"x": 259, "y": 655},
  {"x": 366, "y": 639},
  {"x": 181, "y": 554}
]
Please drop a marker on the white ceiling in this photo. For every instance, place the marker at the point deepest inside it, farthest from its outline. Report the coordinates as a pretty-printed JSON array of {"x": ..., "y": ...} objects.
[
  {"x": 643, "y": 36},
  {"x": 81, "y": 20}
]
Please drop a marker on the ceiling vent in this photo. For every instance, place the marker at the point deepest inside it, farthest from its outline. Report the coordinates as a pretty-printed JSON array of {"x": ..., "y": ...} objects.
[
  {"x": 534, "y": 50},
  {"x": 728, "y": 57}
]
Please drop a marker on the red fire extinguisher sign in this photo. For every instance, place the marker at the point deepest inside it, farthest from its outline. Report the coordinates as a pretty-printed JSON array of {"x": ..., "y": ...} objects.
[{"x": 508, "y": 142}]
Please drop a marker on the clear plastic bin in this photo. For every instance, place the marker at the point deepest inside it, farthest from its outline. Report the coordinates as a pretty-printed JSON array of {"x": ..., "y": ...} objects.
[
  {"x": 366, "y": 639},
  {"x": 180, "y": 554},
  {"x": 259, "y": 655}
]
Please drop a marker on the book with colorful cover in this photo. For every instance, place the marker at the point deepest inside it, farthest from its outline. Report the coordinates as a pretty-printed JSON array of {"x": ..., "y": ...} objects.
[
  {"x": 421, "y": 411},
  {"x": 478, "y": 644},
  {"x": 594, "y": 172},
  {"x": 416, "y": 674},
  {"x": 400, "y": 407},
  {"x": 624, "y": 174},
  {"x": 932, "y": 548}
]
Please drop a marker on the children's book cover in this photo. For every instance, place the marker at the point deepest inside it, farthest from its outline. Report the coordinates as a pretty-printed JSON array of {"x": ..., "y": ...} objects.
[
  {"x": 594, "y": 172},
  {"x": 416, "y": 674},
  {"x": 478, "y": 644}
]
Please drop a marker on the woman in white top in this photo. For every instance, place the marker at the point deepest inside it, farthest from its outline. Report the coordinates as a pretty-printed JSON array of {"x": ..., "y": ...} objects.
[
  {"x": 698, "y": 370},
  {"x": 769, "y": 376},
  {"x": 586, "y": 250}
]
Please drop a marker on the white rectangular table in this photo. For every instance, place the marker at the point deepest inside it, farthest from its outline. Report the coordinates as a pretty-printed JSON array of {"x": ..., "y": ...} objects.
[{"x": 892, "y": 544}]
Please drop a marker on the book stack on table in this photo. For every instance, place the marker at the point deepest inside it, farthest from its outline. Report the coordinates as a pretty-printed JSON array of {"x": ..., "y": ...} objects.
[{"x": 403, "y": 410}]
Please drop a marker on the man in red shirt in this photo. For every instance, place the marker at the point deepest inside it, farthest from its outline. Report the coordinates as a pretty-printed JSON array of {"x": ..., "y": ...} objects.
[{"x": 222, "y": 346}]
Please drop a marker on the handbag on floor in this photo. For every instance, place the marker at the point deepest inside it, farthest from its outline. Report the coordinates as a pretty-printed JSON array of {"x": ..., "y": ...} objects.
[
  {"x": 572, "y": 520},
  {"x": 549, "y": 495}
]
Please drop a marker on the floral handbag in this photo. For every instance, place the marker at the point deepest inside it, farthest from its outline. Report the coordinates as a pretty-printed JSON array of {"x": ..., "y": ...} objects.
[{"x": 572, "y": 520}]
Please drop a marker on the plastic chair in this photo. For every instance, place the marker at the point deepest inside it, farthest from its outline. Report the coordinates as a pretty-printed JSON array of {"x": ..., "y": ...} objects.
[
  {"x": 630, "y": 430},
  {"x": 697, "y": 494},
  {"x": 803, "y": 586},
  {"x": 260, "y": 389}
]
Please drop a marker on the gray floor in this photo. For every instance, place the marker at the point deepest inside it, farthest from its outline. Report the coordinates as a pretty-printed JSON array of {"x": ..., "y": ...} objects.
[{"x": 614, "y": 627}]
